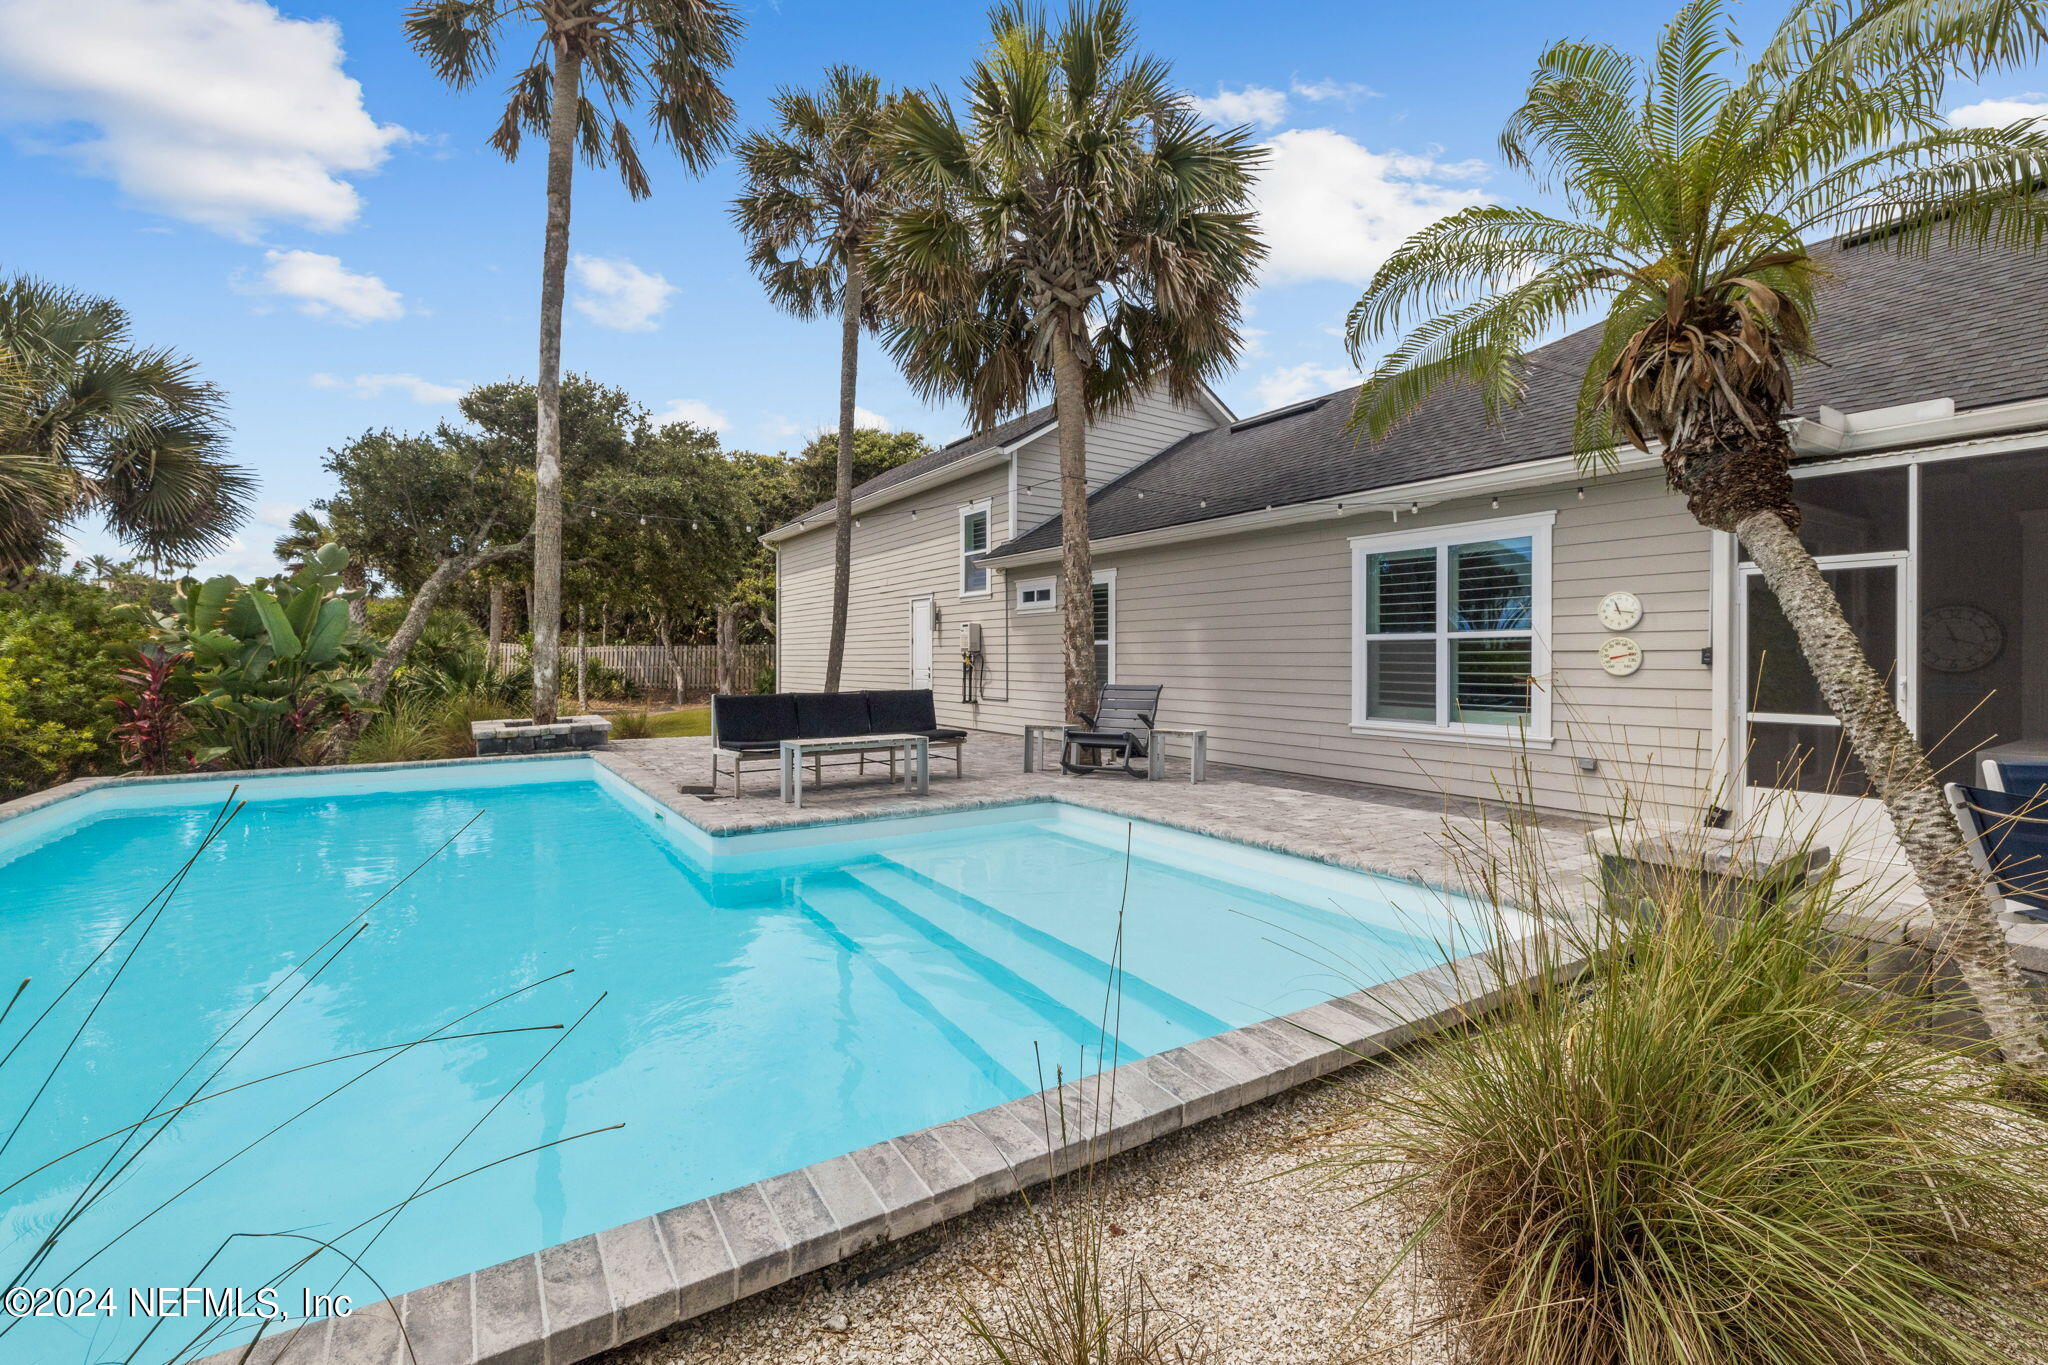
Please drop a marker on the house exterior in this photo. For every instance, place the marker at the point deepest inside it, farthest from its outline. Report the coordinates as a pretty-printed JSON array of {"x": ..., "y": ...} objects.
[{"x": 1463, "y": 606}]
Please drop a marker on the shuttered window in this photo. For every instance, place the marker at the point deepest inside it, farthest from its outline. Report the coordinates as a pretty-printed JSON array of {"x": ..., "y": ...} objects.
[
  {"x": 1447, "y": 628},
  {"x": 973, "y": 544}
]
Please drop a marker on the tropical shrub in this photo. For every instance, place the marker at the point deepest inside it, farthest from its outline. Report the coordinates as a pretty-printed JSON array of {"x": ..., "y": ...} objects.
[
  {"x": 405, "y": 732},
  {"x": 62, "y": 644},
  {"x": 154, "y": 731},
  {"x": 1724, "y": 1150},
  {"x": 272, "y": 661}
]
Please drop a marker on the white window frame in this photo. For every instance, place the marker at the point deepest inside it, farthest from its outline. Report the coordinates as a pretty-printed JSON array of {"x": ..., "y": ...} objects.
[
  {"x": 1049, "y": 586},
  {"x": 1536, "y": 729},
  {"x": 1105, "y": 576},
  {"x": 986, "y": 507}
]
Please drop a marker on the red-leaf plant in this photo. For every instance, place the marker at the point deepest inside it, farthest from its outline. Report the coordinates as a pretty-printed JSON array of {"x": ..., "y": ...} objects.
[{"x": 152, "y": 725}]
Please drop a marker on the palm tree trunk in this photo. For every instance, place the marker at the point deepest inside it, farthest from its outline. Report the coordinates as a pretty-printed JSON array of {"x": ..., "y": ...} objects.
[
  {"x": 1077, "y": 573},
  {"x": 1963, "y": 908},
  {"x": 842, "y": 488},
  {"x": 547, "y": 485},
  {"x": 728, "y": 618}
]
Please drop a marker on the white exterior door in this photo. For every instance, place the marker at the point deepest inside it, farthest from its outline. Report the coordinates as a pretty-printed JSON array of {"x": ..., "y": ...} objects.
[{"x": 924, "y": 629}]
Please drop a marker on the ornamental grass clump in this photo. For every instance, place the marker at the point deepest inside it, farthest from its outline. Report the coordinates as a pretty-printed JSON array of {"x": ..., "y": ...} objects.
[{"x": 1720, "y": 1146}]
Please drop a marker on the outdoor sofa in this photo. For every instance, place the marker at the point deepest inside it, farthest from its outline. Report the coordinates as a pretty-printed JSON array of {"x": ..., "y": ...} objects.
[{"x": 750, "y": 729}]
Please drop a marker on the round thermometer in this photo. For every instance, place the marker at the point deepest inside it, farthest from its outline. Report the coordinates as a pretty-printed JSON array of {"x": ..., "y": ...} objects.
[
  {"x": 1620, "y": 610},
  {"x": 1621, "y": 656}
]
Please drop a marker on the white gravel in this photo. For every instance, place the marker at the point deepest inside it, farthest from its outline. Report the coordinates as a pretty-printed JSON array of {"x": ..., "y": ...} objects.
[{"x": 1277, "y": 1266}]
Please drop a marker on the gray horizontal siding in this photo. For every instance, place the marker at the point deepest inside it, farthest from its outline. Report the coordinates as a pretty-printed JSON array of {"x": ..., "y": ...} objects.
[{"x": 1251, "y": 637}]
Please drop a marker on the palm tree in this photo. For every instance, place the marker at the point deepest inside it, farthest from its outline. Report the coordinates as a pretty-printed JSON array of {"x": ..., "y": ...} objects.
[
  {"x": 816, "y": 190},
  {"x": 91, "y": 423},
  {"x": 665, "y": 53},
  {"x": 1083, "y": 231},
  {"x": 307, "y": 532},
  {"x": 1693, "y": 186}
]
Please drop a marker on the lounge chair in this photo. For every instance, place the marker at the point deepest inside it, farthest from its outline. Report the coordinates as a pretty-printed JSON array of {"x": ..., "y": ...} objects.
[
  {"x": 1119, "y": 733},
  {"x": 2008, "y": 838},
  {"x": 2018, "y": 779}
]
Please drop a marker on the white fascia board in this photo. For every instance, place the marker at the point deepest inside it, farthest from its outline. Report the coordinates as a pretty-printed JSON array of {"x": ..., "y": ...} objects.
[
  {"x": 946, "y": 473},
  {"x": 1933, "y": 422}
]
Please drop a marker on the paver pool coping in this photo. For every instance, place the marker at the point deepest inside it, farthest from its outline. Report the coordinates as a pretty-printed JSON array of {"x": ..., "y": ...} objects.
[{"x": 573, "y": 1300}]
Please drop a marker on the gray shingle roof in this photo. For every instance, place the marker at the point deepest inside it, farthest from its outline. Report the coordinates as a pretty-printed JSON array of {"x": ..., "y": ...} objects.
[
  {"x": 1001, "y": 434},
  {"x": 1966, "y": 324}
]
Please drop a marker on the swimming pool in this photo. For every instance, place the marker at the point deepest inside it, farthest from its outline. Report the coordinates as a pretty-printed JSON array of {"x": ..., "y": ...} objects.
[{"x": 748, "y": 1004}]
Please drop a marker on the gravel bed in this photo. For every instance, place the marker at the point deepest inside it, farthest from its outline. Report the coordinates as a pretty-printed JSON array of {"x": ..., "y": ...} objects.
[{"x": 1275, "y": 1264}]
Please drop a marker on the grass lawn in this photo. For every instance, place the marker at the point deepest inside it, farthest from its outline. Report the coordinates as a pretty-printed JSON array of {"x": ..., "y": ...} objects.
[{"x": 678, "y": 724}]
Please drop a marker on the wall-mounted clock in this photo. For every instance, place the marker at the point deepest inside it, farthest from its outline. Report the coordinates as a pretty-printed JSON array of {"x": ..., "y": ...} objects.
[
  {"x": 1621, "y": 656},
  {"x": 1960, "y": 638},
  {"x": 1620, "y": 610}
]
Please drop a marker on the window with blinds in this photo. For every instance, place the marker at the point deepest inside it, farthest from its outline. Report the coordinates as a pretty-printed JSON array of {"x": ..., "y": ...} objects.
[
  {"x": 973, "y": 543},
  {"x": 1105, "y": 630},
  {"x": 1446, "y": 627}
]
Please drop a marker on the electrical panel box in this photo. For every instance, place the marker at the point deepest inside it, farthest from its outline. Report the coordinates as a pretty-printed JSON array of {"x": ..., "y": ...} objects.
[{"x": 970, "y": 637}]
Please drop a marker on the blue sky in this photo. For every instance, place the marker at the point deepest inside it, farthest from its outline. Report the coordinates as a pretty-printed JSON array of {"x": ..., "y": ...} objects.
[{"x": 284, "y": 192}]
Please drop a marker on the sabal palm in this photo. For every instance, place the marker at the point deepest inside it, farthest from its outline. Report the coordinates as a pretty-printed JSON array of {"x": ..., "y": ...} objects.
[
  {"x": 91, "y": 423},
  {"x": 817, "y": 187},
  {"x": 665, "y": 55},
  {"x": 1082, "y": 230},
  {"x": 1694, "y": 186}
]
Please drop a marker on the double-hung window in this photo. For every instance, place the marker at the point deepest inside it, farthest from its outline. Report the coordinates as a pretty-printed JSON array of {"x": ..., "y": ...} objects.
[
  {"x": 1450, "y": 629},
  {"x": 973, "y": 544}
]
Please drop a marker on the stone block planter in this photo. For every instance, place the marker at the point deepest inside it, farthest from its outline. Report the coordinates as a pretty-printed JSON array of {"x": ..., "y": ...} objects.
[{"x": 495, "y": 737}]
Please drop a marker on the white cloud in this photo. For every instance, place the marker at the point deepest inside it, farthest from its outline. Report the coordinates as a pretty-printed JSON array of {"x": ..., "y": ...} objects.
[
  {"x": 1293, "y": 383},
  {"x": 1348, "y": 92},
  {"x": 224, "y": 113},
  {"x": 873, "y": 421},
  {"x": 1333, "y": 209},
  {"x": 375, "y": 385},
  {"x": 322, "y": 287},
  {"x": 616, "y": 293},
  {"x": 1253, "y": 104},
  {"x": 695, "y": 411},
  {"x": 2000, "y": 112}
]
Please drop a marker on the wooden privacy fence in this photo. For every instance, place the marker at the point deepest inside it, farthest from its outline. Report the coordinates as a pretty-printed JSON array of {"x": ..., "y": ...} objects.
[{"x": 685, "y": 671}]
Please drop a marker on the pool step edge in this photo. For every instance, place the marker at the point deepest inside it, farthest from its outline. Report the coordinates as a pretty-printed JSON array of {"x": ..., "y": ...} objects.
[{"x": 578, "y": 1299}]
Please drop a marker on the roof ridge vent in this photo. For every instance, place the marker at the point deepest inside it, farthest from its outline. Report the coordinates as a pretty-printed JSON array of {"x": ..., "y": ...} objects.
[{"x": 1291, "y": 410}]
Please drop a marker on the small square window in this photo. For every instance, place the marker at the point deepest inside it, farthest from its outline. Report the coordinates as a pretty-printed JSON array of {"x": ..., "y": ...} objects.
[{"x": 1035, "y": 594}]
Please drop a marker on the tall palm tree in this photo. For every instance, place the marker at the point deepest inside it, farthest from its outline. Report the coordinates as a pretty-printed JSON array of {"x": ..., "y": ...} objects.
[
  {"x": 91, "y": 423},
  {"x": 667, "y": 54},
  {"x": 1082, "y": 230},
  {"x": 817, "y": 187},
  {"x": 1694, "y": 185}
]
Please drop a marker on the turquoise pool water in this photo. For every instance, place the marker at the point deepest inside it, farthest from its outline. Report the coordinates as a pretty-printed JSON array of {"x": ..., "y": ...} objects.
[{"x": 753, "y": 1004}]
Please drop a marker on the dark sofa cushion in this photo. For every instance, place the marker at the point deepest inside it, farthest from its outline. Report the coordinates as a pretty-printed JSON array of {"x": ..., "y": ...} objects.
[
  {"x": 753, "y": 720},
  {"x": 941, "y": 732},
  {"x": 904, "y": 711},
  {"x": 831, "y": 715}
]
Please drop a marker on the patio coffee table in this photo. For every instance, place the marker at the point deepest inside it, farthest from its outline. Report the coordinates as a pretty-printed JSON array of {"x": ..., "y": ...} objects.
[{"x": 915, "y": 750}]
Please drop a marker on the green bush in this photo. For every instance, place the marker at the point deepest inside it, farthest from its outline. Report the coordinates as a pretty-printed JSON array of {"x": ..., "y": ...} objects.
[
  {"x": 1720, "y": 1150},
  {"x": 272, "y": 661},
  {"x": 62, "y": 645}
]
